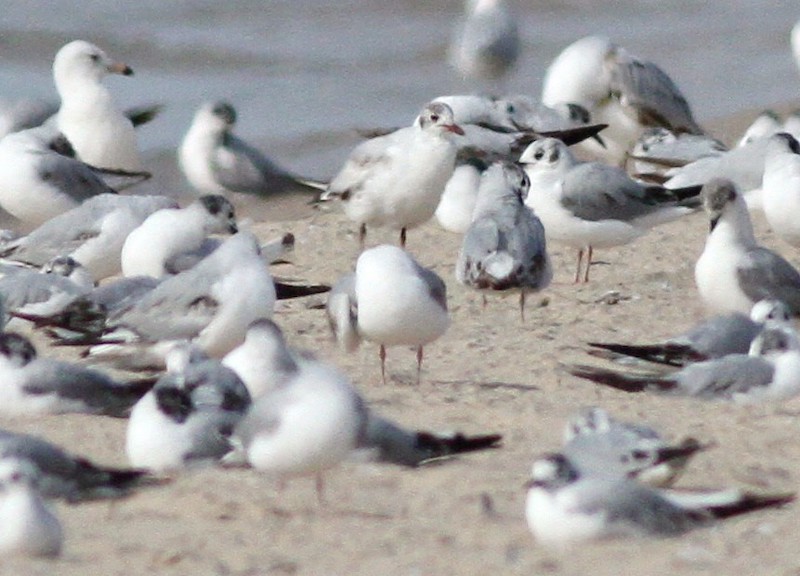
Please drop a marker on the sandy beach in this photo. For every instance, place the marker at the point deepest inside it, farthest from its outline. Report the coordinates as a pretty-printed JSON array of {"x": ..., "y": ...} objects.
[{"x": 489, "y": 373}]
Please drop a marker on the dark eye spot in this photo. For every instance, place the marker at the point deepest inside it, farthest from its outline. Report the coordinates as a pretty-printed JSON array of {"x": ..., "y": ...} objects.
[
  {"x": 95, "y": 57},
  {"x": 510, "y": 109},
  {"x": 539, "y": 155},
  {"x": 434, "y": 117}
]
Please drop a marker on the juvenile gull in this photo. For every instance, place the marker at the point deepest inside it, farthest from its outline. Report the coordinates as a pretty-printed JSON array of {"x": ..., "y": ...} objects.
[
  {"x": 390, "y": 300},
  {"x": 504, "y": 247},
  {"x": 734, "y": 272}
]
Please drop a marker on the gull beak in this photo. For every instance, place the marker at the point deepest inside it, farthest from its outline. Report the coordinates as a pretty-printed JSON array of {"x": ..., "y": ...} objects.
[
  {"x": 455, "y": 128},
  {"x": 120, "y": 68},
  {"x": 233, "y": 228}
]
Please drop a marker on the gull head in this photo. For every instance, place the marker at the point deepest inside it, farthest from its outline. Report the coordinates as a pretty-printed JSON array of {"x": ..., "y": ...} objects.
[
  {"x": 774, "y": 341},
  {"x": 439, "y": 116},
  {"x": 16, "y": 472},
  {"x": 546, "y": 153},
  {"x": 516, "y": 179},
  {"x": 592, "y": 420},
  {"x": 718, "y": 194},
  {"x": 770, "y": 311},
  {"x": 215, "y": 117},
  {"x": 552, "y": 471},
  {"x": 16, "y": 349},
  {"x": 82, "y": 61},
  {"x": 784, "y": 142},
  {"x": 222, "y": 216}
]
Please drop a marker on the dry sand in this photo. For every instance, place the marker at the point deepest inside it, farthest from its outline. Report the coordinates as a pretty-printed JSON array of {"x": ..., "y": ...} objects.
[{"x": 489, "y": 373}]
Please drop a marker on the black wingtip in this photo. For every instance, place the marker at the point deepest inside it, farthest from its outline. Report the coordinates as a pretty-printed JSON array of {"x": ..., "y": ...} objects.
[{"x": 437, "y": 446}]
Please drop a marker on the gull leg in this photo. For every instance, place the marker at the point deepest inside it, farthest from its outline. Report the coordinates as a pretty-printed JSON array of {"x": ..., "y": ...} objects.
[
  {"x": 522, "y": 305},
  {"x": 362, "y": 235},
  {"x": 402, "y": 237},
  {"x": 578, "y": 271},
  {"x": 319, "y": 485},
  {"x": 588, "y": 264},
  {"x": 419, "y": 363},
  {"x": 483, "y": 306},
  {"x": 382, "y": 354}
]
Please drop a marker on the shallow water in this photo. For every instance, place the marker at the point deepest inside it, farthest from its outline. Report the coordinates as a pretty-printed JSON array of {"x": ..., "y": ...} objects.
[{"x": 303, "y": 73}]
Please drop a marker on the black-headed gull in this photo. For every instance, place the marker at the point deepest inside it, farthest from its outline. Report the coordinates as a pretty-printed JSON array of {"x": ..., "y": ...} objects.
[{"x": 397, "y": 180}]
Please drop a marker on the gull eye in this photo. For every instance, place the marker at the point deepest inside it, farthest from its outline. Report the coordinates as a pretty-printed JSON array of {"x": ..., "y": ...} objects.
[
  {"x": 538, "y": 155},
  {"x": 511, "y": 109},
  {"x": 95, "y": 57},
  {"x": 434, "y": 117}
]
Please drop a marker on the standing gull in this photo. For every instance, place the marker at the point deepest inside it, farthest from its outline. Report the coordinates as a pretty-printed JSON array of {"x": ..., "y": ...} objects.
[
  {"x": 216, "y": 161},
  {"x": 591, "y": 205},
  {"x": 504, "y": 247},
  {"x": 397, "y": 180},
  {"x": 780, "y": 190},
  {"x": 734, "y": 272},
  {"x": 390, "y": 300}
]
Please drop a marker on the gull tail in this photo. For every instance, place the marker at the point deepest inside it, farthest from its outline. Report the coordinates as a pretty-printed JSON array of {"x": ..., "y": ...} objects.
[
  {"x": 721, "y": 504},
  {"x": 570, "y": 136},
  {"x": 621, "y": 380},
  {"x": 79, "y": 322},
  {"x": 94, "y": 482},
  {"x": 285, "y": 291},
  {"x": 668, "y": 353},
  {"x": 390, "y": 443},
  {"x": 139, "y": 115},
  {"x": 680, "y": 452}
]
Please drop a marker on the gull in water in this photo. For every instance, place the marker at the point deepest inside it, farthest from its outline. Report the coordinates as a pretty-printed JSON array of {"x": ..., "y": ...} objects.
[
  {"x": 36, "y": 385},
  {"x": 149, "y": 250},
  {"x": 769, "y": 372},
  {"x": 486, "y": 43},
  {"x": 390, "y": 300},
  {"x": 397, "y": 180},
  {"x": 504, "y": 247},
  {"x": 92, "y": 233},
  {"x": 734, "y": 272},
  {"x": 187, "y": 418},
  {"x": 566, "y": 506},
  {"x": 216, "y": 161},
  {"x": 29, "y": 527},
  {"x": 596, "y": 443},
  {"x": 731, "y": 333},
  {"x": 780, "y": 190},
  {"x": 619, "y": 89},
  {"x": 40, "y": 178},
  {"x": 591, "y": 205},
  {"x": 100, "y": 133}
]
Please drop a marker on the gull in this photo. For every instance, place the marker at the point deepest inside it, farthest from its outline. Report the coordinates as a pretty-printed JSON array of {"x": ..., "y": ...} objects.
[
  {"x": 598, "y": 444},
  {"x": 267, "y": 364},
  {"x": 172, "y": 232},
  {"x": 486, "y": 43},
  {"x": 29, "y": 527},
  {"x": 715, "y": 337},
  {"x": 792, "y": 124},
  {"x": 23, "y": 114},
  {"x": 390, "y": 300},
  {"x": 454, "y": 212},
  {"x": 36, "y": 385},
  {"x": 769, "y": 372},
  {"x": 187, "y": 418},
  {"x": 658, "y": 149},
  {"x": 45, "y": 291},
  {"x": 504, "y": 247},
  {"x": 780, "y": 190},
  {"x": 566, "y": 506},
  {"x": 211, "y": 304},
  {"x": 765, "y": 125},
  {"x": 397, "y": 180},
  {"x": 309, "y": 422},
  {"x": 618, "y": 89},
  {"x": 743, "y": 165},
  {"x": 215, "y": 161},
  {"x": 734, "y": 272},
  {"x": 101, "y": 134},
  {"x": 62, "y": 475},
  {"x": 591, "y": 205},
  {"x": 40, "y": 180},
  {"x": 92, "y": 233}
]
